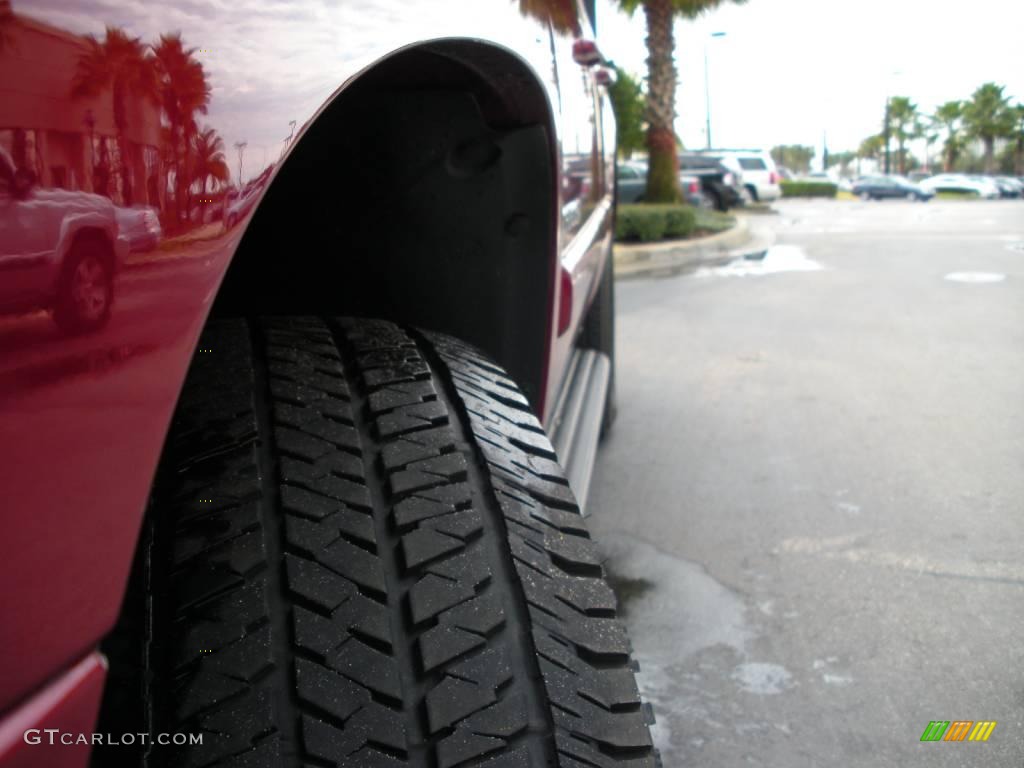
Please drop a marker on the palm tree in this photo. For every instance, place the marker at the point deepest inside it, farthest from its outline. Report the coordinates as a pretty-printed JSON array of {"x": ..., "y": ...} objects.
[
  {"x": 902, "y": 122},
  {"x": 119, "y": 63},
  {"x": 872, "y": 148},
  {"x": 926, "y": 129},
  {"x": 1018, "y": 139},
  {"x": 663, "y": 163},
  {"x": 184, "y": 92},
  {"x": 561, "y": 14},
  {"x": 949, "y": 117},
  {"x": 627, "y": 99},
  {"x": 209, "y": 162},
  {"x": 987, "y": 117}
]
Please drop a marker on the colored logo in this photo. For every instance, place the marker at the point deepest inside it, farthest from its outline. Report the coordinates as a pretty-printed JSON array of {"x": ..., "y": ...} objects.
[{"x": 958, "y": 730}]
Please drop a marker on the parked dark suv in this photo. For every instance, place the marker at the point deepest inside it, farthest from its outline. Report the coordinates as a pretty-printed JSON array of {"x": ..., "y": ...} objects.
[{"x": 718, "y": 182}]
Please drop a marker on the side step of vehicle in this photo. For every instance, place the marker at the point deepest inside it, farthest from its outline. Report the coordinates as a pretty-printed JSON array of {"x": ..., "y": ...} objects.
[{"x": 576, "y": 424}]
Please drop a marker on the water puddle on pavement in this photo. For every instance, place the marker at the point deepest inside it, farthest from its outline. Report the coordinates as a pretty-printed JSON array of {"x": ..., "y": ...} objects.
[
  {"x": 693, "y": 645},
  {"x": 672, "y": 606},
  {"x": 676, "y": 613},
  {"x": 975, "y": 277},
  {"x": 778, "y": 258},
  {"x": 765, "y": 679}
]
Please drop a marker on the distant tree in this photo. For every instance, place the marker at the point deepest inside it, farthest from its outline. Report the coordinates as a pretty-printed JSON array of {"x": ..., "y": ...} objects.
[
  {"x": 872, "y": 148},
  {"x": 1017, "y": 137},
  {"x": 987, "y": 117},
  {"x": 561, "y": 14},
  {"x": 628, "y": 103},
  {"x": 120, "y": 63},
  {"x": 903, "y": 118},
  {"x": 796, "y": 157},
  {"x": 948, "y": 119},
  {"x": 969, "y": 162},
  {"x": 184, "y": 94},
  {"x": 927, "y": 130},
  {"x": 208, "y": 150},
  {"x": 663, "y": 161},
  {"x": 841, "y": 159}
]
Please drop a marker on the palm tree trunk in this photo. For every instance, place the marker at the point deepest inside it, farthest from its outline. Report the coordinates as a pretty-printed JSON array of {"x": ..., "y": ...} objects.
[
  {"x": 663, "y": 164},
  {"x": 177, "y": 171},
  {"x": 990, "y": 153},
  {"x": 121, "y": 124},
  {"x": 903, "y": 159}
]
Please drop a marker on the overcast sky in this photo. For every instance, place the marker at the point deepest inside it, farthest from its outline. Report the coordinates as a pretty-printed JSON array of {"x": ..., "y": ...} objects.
[
  {"x": 786, "y": 72},
  {"x": 789, "y": 71}
]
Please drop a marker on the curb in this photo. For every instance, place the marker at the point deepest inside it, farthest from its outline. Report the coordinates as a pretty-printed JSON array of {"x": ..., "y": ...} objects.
[{"x": 673, "y": 257}]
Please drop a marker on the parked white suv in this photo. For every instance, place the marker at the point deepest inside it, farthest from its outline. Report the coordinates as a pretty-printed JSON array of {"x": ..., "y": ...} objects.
[
  {"x": 756, "y": 168},
  {"x": 59, "y": 250}
]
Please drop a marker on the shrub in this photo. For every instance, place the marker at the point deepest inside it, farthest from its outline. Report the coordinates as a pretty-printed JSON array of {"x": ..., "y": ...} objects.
[
  {"x": 808, "y": 189},
  {"x": 680, "y": 221},
  {"x": 647, "y": 223},
  {"x": 713, "y": 221}
]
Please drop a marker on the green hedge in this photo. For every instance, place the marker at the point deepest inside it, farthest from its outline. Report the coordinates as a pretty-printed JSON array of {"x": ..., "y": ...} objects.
[
  {"x": 808, "y": 189},
  {"x": 646, "y": 223}
]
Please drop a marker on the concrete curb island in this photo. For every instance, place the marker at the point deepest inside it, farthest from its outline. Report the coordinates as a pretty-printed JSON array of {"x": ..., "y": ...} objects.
[{"x": 675, "y": 256}]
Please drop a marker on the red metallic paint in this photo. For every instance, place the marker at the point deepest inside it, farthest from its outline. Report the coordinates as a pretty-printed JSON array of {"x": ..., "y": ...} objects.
[
  {"x": 69, "y": 704},
  {"x": 83, "y": 416}
]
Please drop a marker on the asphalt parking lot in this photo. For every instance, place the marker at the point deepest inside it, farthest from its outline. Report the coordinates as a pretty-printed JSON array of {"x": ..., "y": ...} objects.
[{"x": 812, "y": 503}]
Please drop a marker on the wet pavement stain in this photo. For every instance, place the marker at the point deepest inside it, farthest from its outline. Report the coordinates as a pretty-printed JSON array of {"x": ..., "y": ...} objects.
[
  {"x": 627, "y": 590},
  {"x": 675, "y": 608},
  {"x": 778, "y": 258},
  {"x": 693, "y": 644}
]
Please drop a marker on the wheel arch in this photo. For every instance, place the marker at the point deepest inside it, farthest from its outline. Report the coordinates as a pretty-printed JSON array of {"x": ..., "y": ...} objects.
[
  {"x": 75, "y": 228},
  {"x": 424, "y": 193}
]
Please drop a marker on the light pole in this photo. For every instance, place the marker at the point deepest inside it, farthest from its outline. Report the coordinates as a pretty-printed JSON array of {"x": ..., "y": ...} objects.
[
  {"x": 240, "y": 146},
  {"x": 288, "y": 138},
  {"x": 707, "y": 89},
  {"x": 887, "y": 131}
]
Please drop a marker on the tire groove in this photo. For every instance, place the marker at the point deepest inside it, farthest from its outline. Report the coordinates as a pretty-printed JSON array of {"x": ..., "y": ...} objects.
[
  {"x": 285, "y": 700},
  {"x": 540, "y": 722},
  {"x": 402, "y": 642}
]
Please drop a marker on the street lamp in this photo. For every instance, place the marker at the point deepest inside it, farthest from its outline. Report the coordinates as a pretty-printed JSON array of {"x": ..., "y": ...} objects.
[
  {"x": 887, "y": 132},
  {"x": 240, "y": 146},
  {"x": 288, "y": 138},
  {"x": 707, "y": 89}
]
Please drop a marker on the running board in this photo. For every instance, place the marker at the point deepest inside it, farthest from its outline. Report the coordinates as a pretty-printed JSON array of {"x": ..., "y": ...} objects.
[{"x": 576, "y": 422}]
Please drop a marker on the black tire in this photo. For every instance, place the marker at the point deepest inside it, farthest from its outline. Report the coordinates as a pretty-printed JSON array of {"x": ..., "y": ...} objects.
[
  {"x": 719, "y": 200},
  {"x": 362, "y": 552},
  {"x": 90, "y": 258}
]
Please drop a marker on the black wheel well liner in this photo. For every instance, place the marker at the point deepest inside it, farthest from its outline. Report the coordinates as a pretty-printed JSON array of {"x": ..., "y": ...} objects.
[
  {"x": 82, "y": 236},
  {"x": 424, "y": 194}
]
